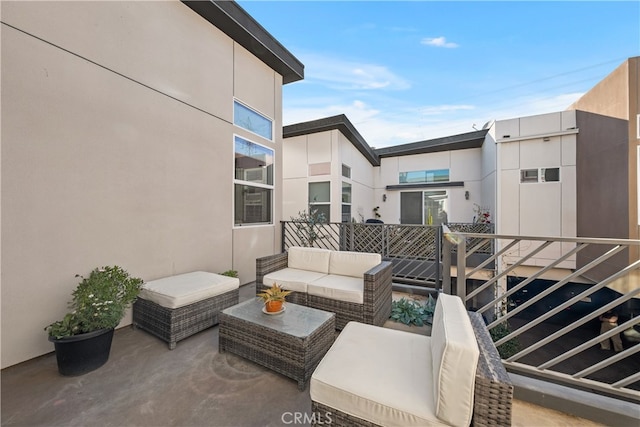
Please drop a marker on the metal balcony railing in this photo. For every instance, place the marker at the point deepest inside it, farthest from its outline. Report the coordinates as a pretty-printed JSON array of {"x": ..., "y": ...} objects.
[
  {"x": 414, "y": 250},
  {"x": 542, "y": 298}
]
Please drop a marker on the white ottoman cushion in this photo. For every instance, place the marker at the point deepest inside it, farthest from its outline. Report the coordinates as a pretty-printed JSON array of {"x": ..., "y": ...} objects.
[
  {"x": 292, "y": 279},
  {"x": 184, "y": 289},
  {"x": 380, "y": 375},
  {"x": 340, "y": 288},
  {"x": 353, "y": 264},
  {"x": 454, "y": 351},
  {"x": 312, "y": 259}
]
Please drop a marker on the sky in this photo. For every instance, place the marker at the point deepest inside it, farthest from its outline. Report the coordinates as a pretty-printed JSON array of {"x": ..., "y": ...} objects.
[{"x": 408, "y": 71}]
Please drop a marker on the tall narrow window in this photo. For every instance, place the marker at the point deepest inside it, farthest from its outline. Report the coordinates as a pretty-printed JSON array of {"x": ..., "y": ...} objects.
[
  {"x": 251, "y": 120},
  {"x": 346, "y": 171},
  {"x": 320, "y": 198},
  {"x": 253, "y": 183},
  {"x": 346, "y": 202}
]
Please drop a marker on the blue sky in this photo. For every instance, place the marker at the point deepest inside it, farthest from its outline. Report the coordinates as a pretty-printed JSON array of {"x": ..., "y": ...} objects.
[{"x": 406, "y": 71}]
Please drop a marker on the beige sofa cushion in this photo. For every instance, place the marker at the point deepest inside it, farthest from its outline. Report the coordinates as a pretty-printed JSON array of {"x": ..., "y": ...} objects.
[
  {"x": 353, "y": 264},
  {"x": 184, "y": 289},
  {"x": 380, "y": 375},
  {"x": 455, "y": 354},
  {"x": 341, "y": 288},
  {"x": 292, "y": 279},
  {"x": 310, "y": 259}
]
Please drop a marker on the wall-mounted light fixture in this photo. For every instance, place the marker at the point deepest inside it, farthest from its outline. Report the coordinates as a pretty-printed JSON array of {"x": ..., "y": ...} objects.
[
  {"x": 466, "y": 195},
  {"x": 384, "y": 197}
]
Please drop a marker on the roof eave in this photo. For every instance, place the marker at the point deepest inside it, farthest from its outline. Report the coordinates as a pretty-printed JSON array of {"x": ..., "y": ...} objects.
[
  {"x": 236, "y": 23},
  {"x": 339, "y": 122}
]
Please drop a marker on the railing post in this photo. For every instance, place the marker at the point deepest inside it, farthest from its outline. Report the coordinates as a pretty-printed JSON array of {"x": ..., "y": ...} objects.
[
  {"x": 283, "y": 224},
  {"x": 461, "y": 281},
  {"x": 438, "y": 244}
]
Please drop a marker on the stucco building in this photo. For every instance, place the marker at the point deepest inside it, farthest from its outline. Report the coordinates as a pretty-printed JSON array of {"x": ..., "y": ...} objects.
[{"x": 141, "y": 134}]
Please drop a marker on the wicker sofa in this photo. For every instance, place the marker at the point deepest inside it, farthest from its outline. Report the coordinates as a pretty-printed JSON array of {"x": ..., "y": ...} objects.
[
  {"x": 374, "y": 376},
  {"x": 355, "y": 286}
]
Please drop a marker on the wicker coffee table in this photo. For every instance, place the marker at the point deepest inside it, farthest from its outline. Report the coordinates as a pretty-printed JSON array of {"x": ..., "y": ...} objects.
[{"x": 290, "y": 343}]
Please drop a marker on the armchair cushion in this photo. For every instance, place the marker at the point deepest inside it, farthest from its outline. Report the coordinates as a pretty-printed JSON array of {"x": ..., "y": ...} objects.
[
  {"x": 455, "y": 354},
  {"x": 344, "y": 379}
]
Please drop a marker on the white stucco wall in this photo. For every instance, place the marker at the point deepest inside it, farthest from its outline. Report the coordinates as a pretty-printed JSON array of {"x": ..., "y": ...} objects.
[
  {"x": 539, "y": 208},
  {"x": 117, "y": 148}
]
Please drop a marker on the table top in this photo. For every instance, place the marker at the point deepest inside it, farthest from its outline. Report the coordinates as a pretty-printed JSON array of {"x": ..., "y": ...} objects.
[{"x": 295, "y": 320}]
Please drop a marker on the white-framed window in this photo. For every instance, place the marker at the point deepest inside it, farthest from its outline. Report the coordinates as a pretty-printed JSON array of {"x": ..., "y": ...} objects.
[
  {"x": 539, "y": 175},
  {"x": 253, "y": 183},
  {"x": 251, "y": 120},
  {"x": 424, "y": 176},
  {"x": 346, "y": 171},
  {"x": 346, "y": 202},
  {"x": 424, "y": 207},
  {"x": 320, "y": 198}
]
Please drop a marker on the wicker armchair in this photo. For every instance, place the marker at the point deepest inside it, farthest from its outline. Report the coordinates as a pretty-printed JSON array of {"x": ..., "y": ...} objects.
[
  {"x": 493, "y": 389},
  {"x": 375, "y": 309}
]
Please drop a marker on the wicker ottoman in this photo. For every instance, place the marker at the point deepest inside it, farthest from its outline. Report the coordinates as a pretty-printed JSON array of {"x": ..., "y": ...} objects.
[{"x": 176, "y": 307}]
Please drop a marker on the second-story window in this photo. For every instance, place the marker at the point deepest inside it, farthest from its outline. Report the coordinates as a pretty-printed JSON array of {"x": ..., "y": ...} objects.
[
  {"x": 253, "y": 183},
  {"x": 249, "y": 119}
]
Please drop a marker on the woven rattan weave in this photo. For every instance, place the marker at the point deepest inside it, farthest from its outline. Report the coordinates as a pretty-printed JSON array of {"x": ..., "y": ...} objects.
[
  {"x": 375, "y": 309},
  {"x": 175, "y": 324},
  {"x": 291, "y": 343}
]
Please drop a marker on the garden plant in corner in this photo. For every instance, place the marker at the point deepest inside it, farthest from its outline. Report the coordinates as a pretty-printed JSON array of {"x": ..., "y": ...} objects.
[{"x": 99, "y": 304}]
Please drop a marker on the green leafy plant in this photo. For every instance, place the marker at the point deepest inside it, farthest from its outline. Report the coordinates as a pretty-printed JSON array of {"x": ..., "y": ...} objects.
[
  {"x": 411, "y": 312},
  {"x": 307, "y": 228},
  {"x": 99, "y": 302},
  {"x": 274, "y": 293},
  {"x": 230, "y": 273},
  {"x": 509, "y": 348}
]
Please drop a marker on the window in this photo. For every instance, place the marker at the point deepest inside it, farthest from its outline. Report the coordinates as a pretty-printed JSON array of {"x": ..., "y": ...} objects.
[
  {"x": 423, "y": 207},
  {"x": 550, "y": 174},
  {"x": 319, "y": 198},
  {"x": 540, "y": 175},
  {"x": 346, "y": 202},
  {"x": 253, "y": 183},
  {"x": 418, "y": 177},
  {"x": 252, "y": 121},
  {"x": 346, "y": 171},
  {"x": 529, "y": 175}
]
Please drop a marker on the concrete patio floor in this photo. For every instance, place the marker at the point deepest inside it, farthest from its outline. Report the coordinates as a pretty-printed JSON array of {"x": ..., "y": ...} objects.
[{"x": 146, "y": 384}]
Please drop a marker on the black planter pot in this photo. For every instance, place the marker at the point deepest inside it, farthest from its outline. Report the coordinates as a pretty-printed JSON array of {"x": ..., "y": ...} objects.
[{"x": 83, "y": 353}]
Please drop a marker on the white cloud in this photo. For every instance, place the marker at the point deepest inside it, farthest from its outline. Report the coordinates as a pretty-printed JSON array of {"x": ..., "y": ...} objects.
[
  {"x": 350, "y": 75},
  {"x": 441, "y": 109},
  {"x": 438, "y": 42}
]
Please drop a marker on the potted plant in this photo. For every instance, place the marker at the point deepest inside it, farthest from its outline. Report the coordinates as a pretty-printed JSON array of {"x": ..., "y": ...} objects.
[
  {"x": 274, "y": 298},
  {"x": 82, "y": 339}
]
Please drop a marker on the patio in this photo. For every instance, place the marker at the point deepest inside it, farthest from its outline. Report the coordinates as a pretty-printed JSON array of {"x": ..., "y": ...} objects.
[{"x": 145, "y": 384}]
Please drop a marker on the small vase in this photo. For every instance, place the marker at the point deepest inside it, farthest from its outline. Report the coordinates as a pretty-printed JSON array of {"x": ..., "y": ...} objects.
[{"x": 273, "y": 306}]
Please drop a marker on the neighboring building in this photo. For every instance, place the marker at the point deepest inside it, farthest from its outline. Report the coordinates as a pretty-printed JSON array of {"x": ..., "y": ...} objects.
[
  {"x": 329, "y": 167},
  {"x": 140, "y": 134},
  {"x": 573, "y": 173}
]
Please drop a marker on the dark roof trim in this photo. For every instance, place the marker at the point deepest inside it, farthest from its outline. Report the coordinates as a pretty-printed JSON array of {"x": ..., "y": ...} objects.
[
  {"x": 425, "y": 185},
  {"x": 448, "y": 143},
  {"x": 341, "y": 123},
  {"x": 236, "y": 23}
]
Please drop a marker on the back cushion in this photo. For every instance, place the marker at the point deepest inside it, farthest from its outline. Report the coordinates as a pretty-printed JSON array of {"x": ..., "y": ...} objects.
[
  {"x": 455, "y": 358},
  {"x": 353, "y": 264},
  {"x": 310, "y": 259}
]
